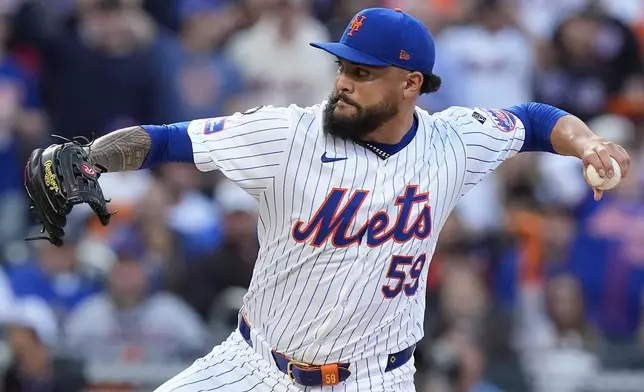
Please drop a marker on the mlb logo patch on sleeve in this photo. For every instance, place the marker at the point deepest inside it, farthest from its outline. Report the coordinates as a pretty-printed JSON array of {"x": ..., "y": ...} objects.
[
  {"x": 479, "y": 117},
  {"x": 503, "y": 120},
  {"x": 214, "y": 125}
]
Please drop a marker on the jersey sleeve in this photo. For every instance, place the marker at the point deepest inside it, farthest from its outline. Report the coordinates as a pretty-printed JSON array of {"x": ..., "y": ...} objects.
[
  {"x": 248, "y": 148},
  {"x": 488, "y": 138}
]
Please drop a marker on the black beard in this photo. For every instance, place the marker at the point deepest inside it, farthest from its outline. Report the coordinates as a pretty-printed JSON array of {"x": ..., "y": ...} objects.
[{"x": 363, "y": 122}]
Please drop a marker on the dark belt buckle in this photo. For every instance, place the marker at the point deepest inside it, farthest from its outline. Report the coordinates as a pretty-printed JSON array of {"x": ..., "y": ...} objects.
[{"x": 289, "y": 371}]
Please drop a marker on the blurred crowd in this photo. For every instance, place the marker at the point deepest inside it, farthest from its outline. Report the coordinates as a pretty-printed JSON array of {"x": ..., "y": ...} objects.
[{"x": 534, "y": 286}]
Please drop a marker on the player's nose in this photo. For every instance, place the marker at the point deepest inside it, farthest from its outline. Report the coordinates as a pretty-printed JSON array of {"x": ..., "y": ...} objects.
[{"x": 343, "y": 84}]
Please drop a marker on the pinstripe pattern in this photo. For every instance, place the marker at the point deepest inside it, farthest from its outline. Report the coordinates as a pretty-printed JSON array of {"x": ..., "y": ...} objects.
[{"x": 326, "y": 303}]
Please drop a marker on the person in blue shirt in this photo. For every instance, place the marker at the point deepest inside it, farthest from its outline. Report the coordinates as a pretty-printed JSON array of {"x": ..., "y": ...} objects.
[
  {"x": 21, "y": 126},
  {"x": 206, "y": 81},
  {"x": 55, "y": 276}
]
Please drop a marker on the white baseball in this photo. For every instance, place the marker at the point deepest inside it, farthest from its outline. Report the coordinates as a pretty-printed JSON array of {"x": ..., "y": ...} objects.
[{"x": 604, "y": 183}]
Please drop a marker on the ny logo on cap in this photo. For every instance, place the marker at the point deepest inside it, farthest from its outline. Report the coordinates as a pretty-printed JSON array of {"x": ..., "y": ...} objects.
[{"x": 356, "y": 23}]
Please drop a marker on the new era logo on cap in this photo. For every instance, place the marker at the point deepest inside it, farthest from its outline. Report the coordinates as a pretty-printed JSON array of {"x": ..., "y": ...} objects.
[{"x": 383, "y": 37}]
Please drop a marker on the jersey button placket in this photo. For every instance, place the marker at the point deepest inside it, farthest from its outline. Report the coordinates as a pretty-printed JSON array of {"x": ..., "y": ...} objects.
[
  {"x": 385, "y": 176},
  {"x": 377, "y": 197}
]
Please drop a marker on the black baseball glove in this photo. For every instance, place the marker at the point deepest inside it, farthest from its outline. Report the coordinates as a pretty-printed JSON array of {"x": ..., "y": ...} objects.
[{"x": 59, "y": 177}]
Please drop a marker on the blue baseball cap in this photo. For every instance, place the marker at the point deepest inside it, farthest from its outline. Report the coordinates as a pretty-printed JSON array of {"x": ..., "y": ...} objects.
[{"x": 382, "y": 37}]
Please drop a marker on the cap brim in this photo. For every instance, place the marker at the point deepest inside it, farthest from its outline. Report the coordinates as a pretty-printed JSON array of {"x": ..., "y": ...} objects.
[{"x": 348, "y": 53}]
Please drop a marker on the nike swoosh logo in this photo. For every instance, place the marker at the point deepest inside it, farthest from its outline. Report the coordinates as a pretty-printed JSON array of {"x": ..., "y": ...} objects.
[{"x": 326, "y": 159}]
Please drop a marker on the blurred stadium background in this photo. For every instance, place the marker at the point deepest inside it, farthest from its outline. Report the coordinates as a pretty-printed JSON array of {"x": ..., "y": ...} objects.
[{"x": 534, "y": 287}]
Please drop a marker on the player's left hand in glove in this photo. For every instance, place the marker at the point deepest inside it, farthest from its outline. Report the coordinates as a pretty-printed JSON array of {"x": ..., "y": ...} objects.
[{"x": 57, "y": 178}]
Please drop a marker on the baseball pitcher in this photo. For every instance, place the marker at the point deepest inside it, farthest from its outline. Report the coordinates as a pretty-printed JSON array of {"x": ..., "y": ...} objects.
[{"x": 352, "y": 195}]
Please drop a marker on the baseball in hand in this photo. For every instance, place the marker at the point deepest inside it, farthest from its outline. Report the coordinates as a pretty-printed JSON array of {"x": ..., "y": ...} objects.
[{"x": 604, "y": 183}]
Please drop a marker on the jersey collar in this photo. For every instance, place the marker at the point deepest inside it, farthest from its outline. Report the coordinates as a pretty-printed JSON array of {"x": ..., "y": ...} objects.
[{"x": 384, "y": 151}]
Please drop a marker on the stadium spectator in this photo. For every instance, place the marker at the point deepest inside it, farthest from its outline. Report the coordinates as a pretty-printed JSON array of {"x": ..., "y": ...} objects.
[
  {"x": 106, "y": 68},
  {"x": 562, "y": 357},
  {"x": 473, "y": 347},
  {"x": 608, "y": 258},
  {"x": 232, "y": 263},
  {"x": 32, "y": 334},
  {"x": 21, "y": 127},
  {"x": 541, "y": 247},
  {"x": 593, "y": 58},
  {"x": 486, "y": 50},
  {"x": 192, "y": 215},
  {"x": 131, "y": 323},
  {"x": 275, "y": 59},
  {"x": 207, "y": 81},
  {"x": 55, "y": 275}
]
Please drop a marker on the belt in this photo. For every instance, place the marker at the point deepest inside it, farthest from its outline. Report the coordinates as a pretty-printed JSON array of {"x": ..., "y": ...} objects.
[{"x": 321, "y": 375}]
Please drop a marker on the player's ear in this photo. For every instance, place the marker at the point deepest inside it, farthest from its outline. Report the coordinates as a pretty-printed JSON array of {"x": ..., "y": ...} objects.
[{"x": 413, "y": 83}]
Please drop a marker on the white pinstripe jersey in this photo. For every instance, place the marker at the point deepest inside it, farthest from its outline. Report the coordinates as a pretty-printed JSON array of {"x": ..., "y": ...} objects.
[{"x": 346, "y": 240}]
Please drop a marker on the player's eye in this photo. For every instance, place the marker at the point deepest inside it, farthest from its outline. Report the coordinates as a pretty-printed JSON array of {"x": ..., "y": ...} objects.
[
  {"x": 362, "y": 73},
  {"x": 338, "y": 63}
]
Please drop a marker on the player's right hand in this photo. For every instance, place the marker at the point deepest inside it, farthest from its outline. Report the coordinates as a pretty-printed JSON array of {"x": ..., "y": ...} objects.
[{"x": 598, "y": 152}]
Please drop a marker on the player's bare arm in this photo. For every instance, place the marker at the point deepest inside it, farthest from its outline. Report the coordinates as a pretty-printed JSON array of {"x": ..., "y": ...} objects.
[
  {"x": 572, "y": 137},
  {"x": 494, "y": 135},
  {"x": 121, "y": 150}
]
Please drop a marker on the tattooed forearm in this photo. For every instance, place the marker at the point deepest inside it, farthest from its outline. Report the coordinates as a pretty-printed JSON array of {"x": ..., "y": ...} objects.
[{"x": 121, "y": 150}]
